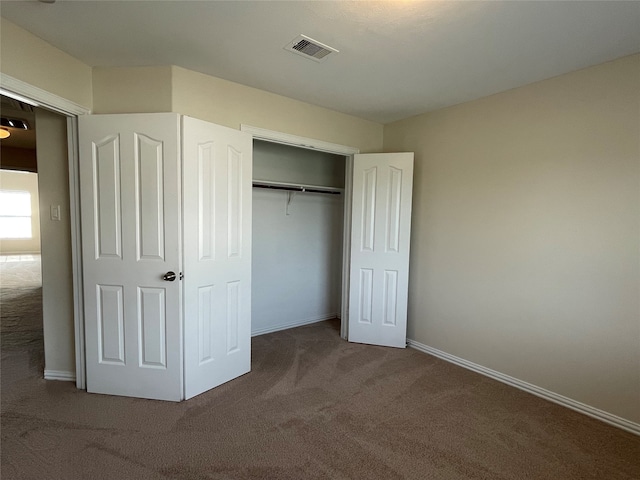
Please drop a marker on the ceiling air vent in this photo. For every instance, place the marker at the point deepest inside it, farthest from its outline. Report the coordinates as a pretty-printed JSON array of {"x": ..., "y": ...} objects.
[{"x": 310, "y": 48}]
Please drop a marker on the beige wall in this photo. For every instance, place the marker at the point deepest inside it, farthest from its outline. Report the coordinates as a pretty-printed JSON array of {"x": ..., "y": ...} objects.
[
  {"x": 231, "y": 104},
  {"x": 57, "y": 285},
  {"x": 164, "y": 89},
  {"x": 132, "y": 90},
  {"x": 32, "y": 60},
  {"x": 526, "y": 233},
  {"x": 28, "y": 182}
]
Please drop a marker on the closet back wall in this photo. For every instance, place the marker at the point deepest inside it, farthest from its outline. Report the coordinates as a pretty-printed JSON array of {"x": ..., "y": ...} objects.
[{"x": 297, "y": 258}]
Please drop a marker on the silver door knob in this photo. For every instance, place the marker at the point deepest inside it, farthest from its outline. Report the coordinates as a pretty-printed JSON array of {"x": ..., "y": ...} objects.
[{"x": 169, "y": 276}]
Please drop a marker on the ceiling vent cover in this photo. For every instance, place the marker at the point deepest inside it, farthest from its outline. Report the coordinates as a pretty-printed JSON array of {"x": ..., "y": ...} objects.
[{"x": 310, "y": 48}]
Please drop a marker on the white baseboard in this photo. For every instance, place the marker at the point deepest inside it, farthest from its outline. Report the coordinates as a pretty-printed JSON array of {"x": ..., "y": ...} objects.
[
  {"x": 59, "y": 375},
  {"x": 6, "y": 253},
  {"x": 593, "y": 412},
  {"x": 297, "y": 323}
]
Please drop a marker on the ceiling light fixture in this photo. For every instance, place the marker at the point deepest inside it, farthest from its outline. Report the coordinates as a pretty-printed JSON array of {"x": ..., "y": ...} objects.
[
  {"x": 4, "y": 133},
  {"x": 13, "y": 123},
  {"x": 17, "y": 97}
]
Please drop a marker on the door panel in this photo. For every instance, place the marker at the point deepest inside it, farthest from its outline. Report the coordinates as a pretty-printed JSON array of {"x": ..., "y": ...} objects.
[
  {"x": 149, "y": 198},
  {"x": 152, "y": 327},
  {"x": 217, "y": 254},
  {"x": 380, "y": 235},
  {"x": 107, "y": 211},
  {"x": 110, "y": 324},
  {"x": 130, "y": 202}
]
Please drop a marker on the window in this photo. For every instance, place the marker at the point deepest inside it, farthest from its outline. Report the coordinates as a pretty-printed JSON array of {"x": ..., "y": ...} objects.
[{"x": 15, "y": 214}]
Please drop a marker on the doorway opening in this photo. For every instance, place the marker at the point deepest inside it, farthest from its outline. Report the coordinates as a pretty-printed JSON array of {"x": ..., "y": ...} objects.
[
  {"x": 20, "y": 266},
  {"x": 37, "y": 249},
  {"x": 347, "y": 153},
  {"x": 297, "y": 237}
]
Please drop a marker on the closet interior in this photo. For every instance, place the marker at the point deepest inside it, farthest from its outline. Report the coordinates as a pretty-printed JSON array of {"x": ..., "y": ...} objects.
[{"x": 298, "y": 221}]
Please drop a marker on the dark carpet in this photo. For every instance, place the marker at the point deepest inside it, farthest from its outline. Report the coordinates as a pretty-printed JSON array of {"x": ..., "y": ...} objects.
[
  {"x": 313, "y": 407},
  {"x": 21, "y": 301}
]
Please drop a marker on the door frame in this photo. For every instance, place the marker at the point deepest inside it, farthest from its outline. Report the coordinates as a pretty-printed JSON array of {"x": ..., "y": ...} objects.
[
  {"x": 334, "y": 148},
  {"x": 71, "y": 110}
]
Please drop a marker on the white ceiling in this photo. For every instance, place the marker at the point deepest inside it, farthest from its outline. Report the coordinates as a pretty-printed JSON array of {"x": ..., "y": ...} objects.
[{"x": 397, "y": 58}]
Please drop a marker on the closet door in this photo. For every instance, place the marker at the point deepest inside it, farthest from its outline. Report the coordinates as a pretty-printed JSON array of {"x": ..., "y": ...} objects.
[
  {"x": 380, "y": 236},
  {"x": 130, "y": 202},
  {"x": 217, "y": 254}
]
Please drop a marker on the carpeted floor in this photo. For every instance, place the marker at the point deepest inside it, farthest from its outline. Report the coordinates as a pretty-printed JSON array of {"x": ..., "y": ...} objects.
[
  {"x": 20, "y": 301},
  {"x": 313, "y": 407}
]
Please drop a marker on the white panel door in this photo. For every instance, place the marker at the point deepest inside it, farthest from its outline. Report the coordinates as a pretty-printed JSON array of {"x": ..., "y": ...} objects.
[
  {"x": 380, "y": 238},
  {"x": 130, "y": 203},
  {"x": 217, "y": 166}
]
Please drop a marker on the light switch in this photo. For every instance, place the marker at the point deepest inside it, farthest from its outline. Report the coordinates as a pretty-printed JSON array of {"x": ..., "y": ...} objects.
[{"x": 55, "y": 212}]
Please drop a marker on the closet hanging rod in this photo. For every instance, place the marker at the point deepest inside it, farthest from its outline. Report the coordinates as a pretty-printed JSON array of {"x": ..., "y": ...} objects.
[{"x": 298, "y": 188}]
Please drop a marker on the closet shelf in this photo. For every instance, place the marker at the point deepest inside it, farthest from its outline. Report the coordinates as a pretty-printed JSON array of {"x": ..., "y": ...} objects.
[{"x": 296, "y": 187}]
